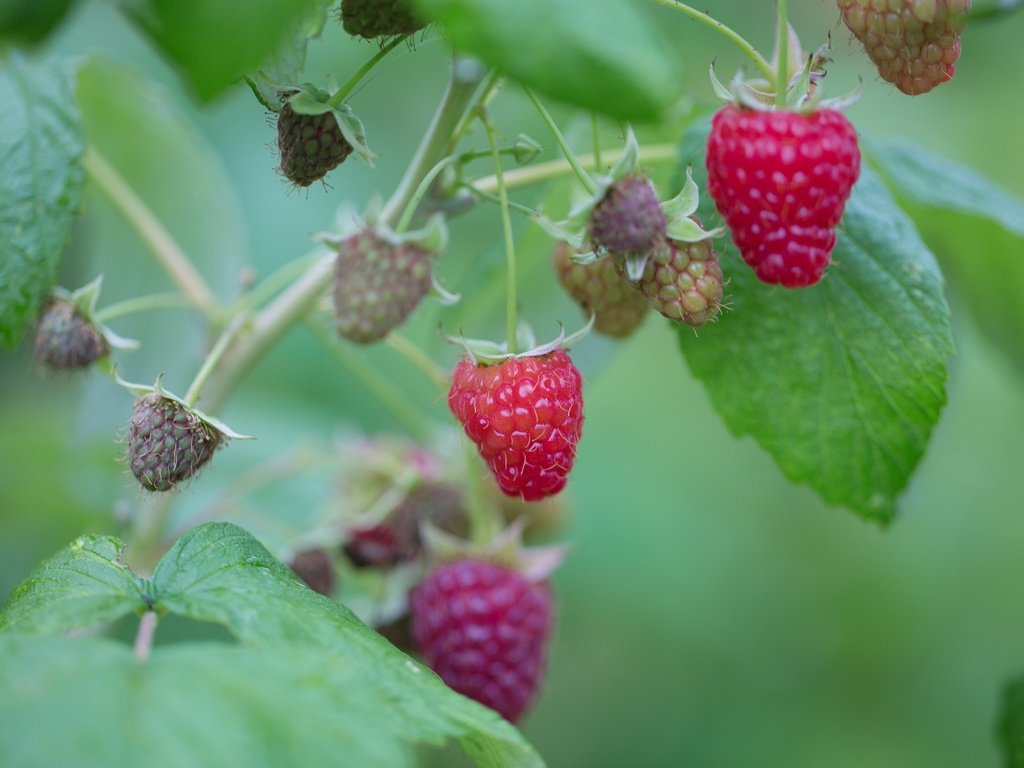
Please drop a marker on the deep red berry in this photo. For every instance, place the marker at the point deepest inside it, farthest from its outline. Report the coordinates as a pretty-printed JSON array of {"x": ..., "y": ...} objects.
[
  {"x": 629, "y": 218},
  {"x": 397, "y": 538},
  {"x": 310, "y": 146},
  {"x": 314, "y": 567},
  {"x": 167, "y": 442},
  {"x": 484, "y": 629},
  {"x": 377, "y": 284},
  {"x": 599, "y": 289},
  {"x": 65, "y": 340},
  {"x": 683, "y": 281},
  {"x": 781, "y": 180},
  {"x": 914, "y": 43},
  {"x": 378, "y": 18},
  {"x": 525, "y": 415}
]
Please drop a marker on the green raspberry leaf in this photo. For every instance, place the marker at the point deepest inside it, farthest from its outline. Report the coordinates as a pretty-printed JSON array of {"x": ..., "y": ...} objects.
[
  {"x": 216, "y": 43},
  {"x": 40, "y": 187},
  {"x": 841, "y": 382},
  {"x": 362, "y": 702},
  {"x": 220, "y": 573},
  {"x": 596, "y": 54},
  {"x": 969, "y": 221},
  {"x": 1010, "y": 728},
  {"x": 30, "y": 21},
  {"x": 82, "y": 586}
]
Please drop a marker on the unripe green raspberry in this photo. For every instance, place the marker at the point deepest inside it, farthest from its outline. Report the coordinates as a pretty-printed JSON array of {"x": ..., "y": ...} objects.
[
  {"x": 310, "y": 145},
  {"x": 683, "y": 281},
  {"x": 167, "y": 442},
  {"x": 377, "y": 284},
  {"x": 65, "y": 340},
  {"x": 618, "y": 308}
]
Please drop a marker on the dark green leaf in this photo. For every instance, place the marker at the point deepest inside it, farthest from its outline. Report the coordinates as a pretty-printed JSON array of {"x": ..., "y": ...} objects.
[
  {"x": 285, "y": 67},
  {"x": 30, "y": 20},
  {"x": 217, "y": 42},
  {"x": 83, "y": 585},
  {"x": 40, "y": 187},
  {"x": 597, "y": 54},
  {"x": 220, "y": 573},
  {"x": 975, "y": 227},
  {"x": 841, "y": 382},
  {"x": 1010, "y": 728}
]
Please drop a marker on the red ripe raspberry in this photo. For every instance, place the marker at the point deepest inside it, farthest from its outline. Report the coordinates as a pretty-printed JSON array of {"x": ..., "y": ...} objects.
[
  {"x": 525, "y": 415},
  {"x": 914, "y": 43},
  {"x": 781, "y": 179},
  {"x": 484, "y": 629}
]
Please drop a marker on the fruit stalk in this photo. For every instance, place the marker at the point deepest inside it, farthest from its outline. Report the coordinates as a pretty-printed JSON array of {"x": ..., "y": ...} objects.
[
  {"x": 196, "y": 387},
  {"x": 337, "y": 99},
  {"x": 570, "y": 156},
  {"x": 734, "y": 37},
  {"x": 506, "y": 226},
  {"x": 144, "y": 637},
  {"x": 782, "y": 65},
  {"x": 170, "y": 255},
  {"x": 146, "y": 303}
]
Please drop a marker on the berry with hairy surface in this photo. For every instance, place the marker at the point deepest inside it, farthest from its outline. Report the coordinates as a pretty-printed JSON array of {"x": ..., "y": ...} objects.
[
  {"x": 310, "y": 146},
  {"x": 683, "y": 281},
  {"x": 629, "y": 218},
  {"x": 378, "y": 18},
  {"x": 65, "y": 340},
  {"x": 167, "y": 442}
]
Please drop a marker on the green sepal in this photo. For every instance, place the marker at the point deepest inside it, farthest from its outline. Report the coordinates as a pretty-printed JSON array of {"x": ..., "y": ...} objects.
[
  {"x": 141, "y": 390},
  {"x": 506, "y": 549},
  {"x": 487, "y": 352},
  {"x": 307, "y": 99},
  {"x": 84, "y": 300},
  {"x": 679, "y": 215}
]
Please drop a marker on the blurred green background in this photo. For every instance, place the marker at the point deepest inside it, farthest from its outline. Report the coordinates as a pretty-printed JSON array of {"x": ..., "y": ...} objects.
[{"x": 710, "y": 614}]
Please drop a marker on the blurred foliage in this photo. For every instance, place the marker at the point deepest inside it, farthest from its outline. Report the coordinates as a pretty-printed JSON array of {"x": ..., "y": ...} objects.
[{"x": 710, "y": 613}]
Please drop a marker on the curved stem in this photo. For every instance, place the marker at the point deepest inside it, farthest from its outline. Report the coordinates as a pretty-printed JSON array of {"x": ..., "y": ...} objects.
[
  {"x": 506, "y": 226},
  {"x": 584, "y": 177},
  {"x": 596, "y": 139},
  {"x": 337, "y": 99},
  {"x": 782, "y": 65},
  {"x": 143, "y": 304},
  {"x": 196, "y": 387},
  {"x": 376, "y": 383},
  {"x": 418, "y": 358},
  {"x": 534, "y": 174},
  {"x": 484, "y": 96},
  {"x": 421, "y": 191},
  {"x": 492, "y": 199},
  {"x": 731, "y": 35},
  {"x": 152, "y": 231}
]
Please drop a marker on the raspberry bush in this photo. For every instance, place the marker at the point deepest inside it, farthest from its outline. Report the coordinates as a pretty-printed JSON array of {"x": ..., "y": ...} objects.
[{"x": 386, "y": 556}]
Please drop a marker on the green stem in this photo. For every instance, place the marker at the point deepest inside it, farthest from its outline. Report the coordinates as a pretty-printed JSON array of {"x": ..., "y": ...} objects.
[
  {"x": 196, "y": 387},
  {"x": 379, "y": 385},
  {"x": 419, "y": 359},
  {"x": 143, "y": 304},
  {"x": 484, "y": 524},
  {"x": 597, "y": 140},
  {"x": 782, "y": 65},
  {"x": 491, "y": 198},
  {"x": 466, "y": 77},
  {"x": 421, "y": 191},
  {"x": 295, "y": 301},
  {"x": 734, "y": 37},
  {"x": 167, "y": 251},
  {"x": 275, "y": 282},
  {"x": 584, "y": 177},
  {"x": 534, "y": 174},
  {"x": 484, "y": 96},
  {"x": 506, "y": 226},
  {"x": 337, "y": 99}
]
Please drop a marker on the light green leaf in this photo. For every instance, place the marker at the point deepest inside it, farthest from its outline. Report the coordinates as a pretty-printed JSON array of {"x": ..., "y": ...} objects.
[
  {"x": 975, "y": 227},
  {"x": 217, "y": 42},
  {"x": 597, "y": 54},
  {"x": 841, "y": 382},
  {"x": 220, "y": 573},
  {"x": 83, "y": 585},
  {"x": 40, "y": 186},
  {"x": 1010, "y": 728}
]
